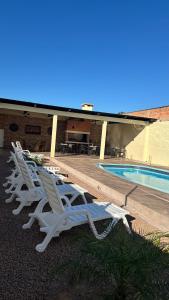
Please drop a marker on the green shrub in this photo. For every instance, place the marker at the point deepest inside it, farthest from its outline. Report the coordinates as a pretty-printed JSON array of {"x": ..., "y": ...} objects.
[{"x": 122, "y": 266}]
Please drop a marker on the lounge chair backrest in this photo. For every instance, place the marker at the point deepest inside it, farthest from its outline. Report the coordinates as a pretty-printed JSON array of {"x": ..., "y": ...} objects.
[
  {"x": 17, "y": 151},
  {"x": 51, "y": 191},
  {"x": 13, "y": 145},
  {"x": 26, "y": 173},
  {"x": 15, "y": 161},
  {"x": 18, "y": 145}
]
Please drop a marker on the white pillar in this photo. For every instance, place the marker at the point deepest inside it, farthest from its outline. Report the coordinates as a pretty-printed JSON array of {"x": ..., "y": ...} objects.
[
  {"x": 53, "y": 138},
  {"x": 103, "y": 139}
]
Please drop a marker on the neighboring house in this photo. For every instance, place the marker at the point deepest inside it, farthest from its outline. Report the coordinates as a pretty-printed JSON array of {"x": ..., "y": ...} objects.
[{"x": 160, "y": 113}]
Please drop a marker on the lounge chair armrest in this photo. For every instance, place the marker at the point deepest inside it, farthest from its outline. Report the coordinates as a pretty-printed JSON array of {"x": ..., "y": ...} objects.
[
  {"x": 40, "y": 206},
  {"x": 26, "y": 151},
  {"x": 32, "y": 163},
  {"x": 66, "y": 199},
  {"x": 74, "y": 195},
  {"x": 34, "y": 169}
]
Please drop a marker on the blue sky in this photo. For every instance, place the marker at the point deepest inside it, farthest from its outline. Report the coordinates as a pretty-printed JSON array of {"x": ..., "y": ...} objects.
[{"x": 114, "y": 54}]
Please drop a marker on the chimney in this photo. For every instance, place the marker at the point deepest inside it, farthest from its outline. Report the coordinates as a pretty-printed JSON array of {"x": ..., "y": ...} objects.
[{"x": 87, "y": 106}]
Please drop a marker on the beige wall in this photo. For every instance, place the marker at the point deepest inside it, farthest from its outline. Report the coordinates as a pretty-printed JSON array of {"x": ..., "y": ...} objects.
[
  {"x": 157, "y": 150},
  {"x": 149, "y": 145},
  {"x": 121, "y": 135},
  {"x": 136, "y": 149}
]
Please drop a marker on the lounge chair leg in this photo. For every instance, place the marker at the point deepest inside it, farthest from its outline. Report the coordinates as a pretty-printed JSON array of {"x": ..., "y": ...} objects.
[
  {"x": 18, "y": 209},
  {"x": 42, "y": 246},
  {"x": 5, "y": 184},
  {"x": 29, "y": 223},
  {"x": 126, "y": 224},
  {"x": 10, "y": 199},
  {"x": 7, "y": 191}
]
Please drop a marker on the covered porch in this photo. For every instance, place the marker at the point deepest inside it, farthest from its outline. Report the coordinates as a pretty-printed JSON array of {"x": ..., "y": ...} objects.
[{"x": 66, "y": 131}]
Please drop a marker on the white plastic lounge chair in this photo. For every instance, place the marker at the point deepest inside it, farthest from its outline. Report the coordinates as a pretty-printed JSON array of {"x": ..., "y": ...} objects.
[
  {"x": 14, "y": 172},
  {"x": 16, "y": 180},
  {"x": 63, "y": 218},
  {"x": 53, "y": 170},
  {"x": 27, "y": 152},
  {"x": 15, "y": 176},
  {"x": 9, "y": 159},
  {"x": 72, "y": 190},
  {"x": 35, "y": 190}
]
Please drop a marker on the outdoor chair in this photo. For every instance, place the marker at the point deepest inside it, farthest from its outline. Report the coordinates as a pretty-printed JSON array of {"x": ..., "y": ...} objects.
[
  {"x": 12, "y": 180},
  {"x": 82, "y": 149},
  {"x": 27, "y": 152},
  {"x": 62, "y": 218},
  {"x": 93, "y": 150},
  {"x": 117, "y": 152},
  {"x": 64, "y": 148},
  {"x": 34, "y": 191},
  {"x": 51, "y": 169}
]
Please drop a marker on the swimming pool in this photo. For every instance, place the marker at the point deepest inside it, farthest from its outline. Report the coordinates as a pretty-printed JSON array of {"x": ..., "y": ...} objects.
[{"x": 151, "y": 177}]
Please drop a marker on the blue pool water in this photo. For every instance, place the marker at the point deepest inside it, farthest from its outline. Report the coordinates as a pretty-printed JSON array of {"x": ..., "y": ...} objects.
[{"x": 151, "y": 177}]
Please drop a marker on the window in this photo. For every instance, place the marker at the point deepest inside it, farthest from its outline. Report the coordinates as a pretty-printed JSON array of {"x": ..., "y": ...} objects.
[{"x": 30, "y": 129}]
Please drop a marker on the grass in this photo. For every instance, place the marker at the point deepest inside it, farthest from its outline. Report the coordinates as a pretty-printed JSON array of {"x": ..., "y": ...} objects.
[{"x": 122, "y": 266}]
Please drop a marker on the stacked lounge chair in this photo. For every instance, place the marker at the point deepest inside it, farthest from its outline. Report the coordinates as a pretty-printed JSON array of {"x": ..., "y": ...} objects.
[{"x": 43, "y": 185}]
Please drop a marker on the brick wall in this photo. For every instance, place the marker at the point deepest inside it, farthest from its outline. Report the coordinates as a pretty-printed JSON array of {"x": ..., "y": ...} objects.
[
  {"x": 2, "y": 121},
  {"x": 33, "y": 142},
  {"x": 39, "y": 142},
  {"x": 60, "y": 133},
  {"x": 78, "y": 125},
  {"x": 95, "y": 134},
  {"x": 161, "y": 113}
]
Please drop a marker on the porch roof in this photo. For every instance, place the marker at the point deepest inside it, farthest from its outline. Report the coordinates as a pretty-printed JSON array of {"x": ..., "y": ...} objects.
[{"x": 72, "y": 112}]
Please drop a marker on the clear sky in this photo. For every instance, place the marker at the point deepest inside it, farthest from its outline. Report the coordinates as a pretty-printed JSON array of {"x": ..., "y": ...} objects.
[{"x": 114, "y": 54}]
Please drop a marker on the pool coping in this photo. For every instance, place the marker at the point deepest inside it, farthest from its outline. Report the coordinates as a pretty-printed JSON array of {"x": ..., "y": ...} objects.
[{"x": 133, "y": 201}]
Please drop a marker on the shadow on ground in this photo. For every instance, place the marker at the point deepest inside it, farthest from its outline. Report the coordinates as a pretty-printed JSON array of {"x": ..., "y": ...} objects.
[{"x": 75, "y": 265}]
